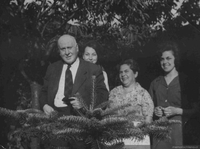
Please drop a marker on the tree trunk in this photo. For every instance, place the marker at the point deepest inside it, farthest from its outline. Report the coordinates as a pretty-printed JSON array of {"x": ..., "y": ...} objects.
[{"x": 35, "y": 92}]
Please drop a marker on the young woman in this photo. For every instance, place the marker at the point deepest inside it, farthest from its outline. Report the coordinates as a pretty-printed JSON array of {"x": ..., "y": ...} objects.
[
  {"x": 171, "y": 94},
  {"x": 91, "y": 54}
]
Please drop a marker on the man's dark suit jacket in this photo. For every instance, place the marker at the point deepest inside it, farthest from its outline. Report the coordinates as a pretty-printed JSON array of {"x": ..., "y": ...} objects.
[{"x": 82, "y": 83}]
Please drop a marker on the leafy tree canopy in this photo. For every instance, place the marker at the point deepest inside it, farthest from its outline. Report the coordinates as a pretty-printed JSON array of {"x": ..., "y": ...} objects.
[
  {"x": 29, "y": 28},
  {"x": 38, "y": 21}
]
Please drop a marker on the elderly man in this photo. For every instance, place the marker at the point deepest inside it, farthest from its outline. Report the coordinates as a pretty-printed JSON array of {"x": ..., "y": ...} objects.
[{"x": 69, "y": 76}]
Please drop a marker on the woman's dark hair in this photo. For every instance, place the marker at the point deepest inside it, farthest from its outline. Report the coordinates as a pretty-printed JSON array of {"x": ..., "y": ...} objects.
[
  {"x": 96, "y": 46},
  {"x": 131, "y": 63},
  {"x": 170, "y": 46}
]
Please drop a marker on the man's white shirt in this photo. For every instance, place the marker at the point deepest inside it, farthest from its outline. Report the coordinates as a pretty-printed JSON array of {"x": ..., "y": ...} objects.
[{"x": 60, "y": 93}]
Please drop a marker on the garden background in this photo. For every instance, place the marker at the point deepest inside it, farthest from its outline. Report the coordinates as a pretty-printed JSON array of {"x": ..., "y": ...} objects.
[{"x": 125, "y": 29}]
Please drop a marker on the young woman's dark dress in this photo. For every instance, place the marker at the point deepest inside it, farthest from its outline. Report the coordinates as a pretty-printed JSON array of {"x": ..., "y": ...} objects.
[{"x": 176, "y": 94}]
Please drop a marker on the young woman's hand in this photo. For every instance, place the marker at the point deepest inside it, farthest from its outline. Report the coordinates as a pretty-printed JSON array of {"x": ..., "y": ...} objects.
[
  {"x": 171, "y": 111},
  {"x": 158, "y": 111}
]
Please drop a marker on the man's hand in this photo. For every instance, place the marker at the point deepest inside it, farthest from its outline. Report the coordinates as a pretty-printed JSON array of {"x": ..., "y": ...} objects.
[
  {"x": 75, "y": 103},
  {"x": 47, "y": 109}
]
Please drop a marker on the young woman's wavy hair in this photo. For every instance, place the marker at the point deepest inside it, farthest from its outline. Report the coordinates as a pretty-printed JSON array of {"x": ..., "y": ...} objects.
[
  {"x": 170, "y": 46},
  {"x": 96, "y": 46}
]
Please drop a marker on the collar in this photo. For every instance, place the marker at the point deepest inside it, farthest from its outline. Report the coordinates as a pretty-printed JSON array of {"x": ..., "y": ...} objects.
[{"x": 76, "y": 63}]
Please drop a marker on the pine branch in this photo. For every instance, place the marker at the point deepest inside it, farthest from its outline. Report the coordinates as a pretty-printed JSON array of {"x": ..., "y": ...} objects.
[
  {"x": 93, "y": 96},
  {"x": 158, "y": 132},
  {"x": 36, "y": 119},
  {"x": 48, "y": 127},
  {"x": 98, "y": 127},
  {"x": 26, "y": 132},
  {"x": 69, "y": 132},
  {"x": 113, "y": 110},
  {"x": 135, "y": 134},
  {"x": 113, "y": 121},
  {"x": 97, "y": 113},
  {"x": 95, "y": 145},
  {"x": 16, "y": 116},
  {"x": 10, "y": 113},
  {"x": 83, "y": 104},
  {"x": 117, "y": 145},
  {"x": 165, "y": 122},
  {"x": 104, "y": 104},
  {"x": 74, "y": 120}
]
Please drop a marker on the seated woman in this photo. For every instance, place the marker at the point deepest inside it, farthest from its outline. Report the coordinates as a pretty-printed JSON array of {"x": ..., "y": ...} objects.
[
  {"x": 91, "y": 54},
  {"x": 131, "y": 92}
]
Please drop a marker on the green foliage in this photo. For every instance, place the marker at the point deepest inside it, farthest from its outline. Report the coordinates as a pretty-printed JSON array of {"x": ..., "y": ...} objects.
[
  {"x": 125, "y": 22},
  {"x": 94, "y": 130},
  {"x": 24, "y": 101},
  {"x": 29, "y": 29},
  {"x": 97, "y": 127},
  {"x": 37, "y": 21}
]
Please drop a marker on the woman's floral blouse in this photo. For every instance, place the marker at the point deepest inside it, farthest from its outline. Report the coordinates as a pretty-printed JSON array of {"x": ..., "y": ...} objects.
[{"x": 139, "y": 99}]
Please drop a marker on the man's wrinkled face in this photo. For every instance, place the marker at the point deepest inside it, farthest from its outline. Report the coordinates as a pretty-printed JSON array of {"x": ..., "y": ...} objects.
[{"x": 68, "y": 48}]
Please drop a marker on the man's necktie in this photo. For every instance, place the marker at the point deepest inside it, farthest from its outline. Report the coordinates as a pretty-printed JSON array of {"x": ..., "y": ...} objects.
[{"x": 68, "y": 82}]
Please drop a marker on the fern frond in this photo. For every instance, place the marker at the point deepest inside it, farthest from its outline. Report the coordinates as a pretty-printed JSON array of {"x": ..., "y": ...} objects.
[
  {"x": 115, "y": 145},
  {"x": 97, "y": 113},
  {"x": 165, "y": 122},
  {"x": 95, "y": 145},
  {"x": 104, "y": 104},
  {"x": 97, "y": 127},
  {"x": 113, "y": 110},
  {"x": 158, "y": 132},
  {"x": 26, "y": 132},
  {"x": 114, "y": 116},
  {"x": 12, "y": 113},
  {"x": 113, "y": 137},
  {"x": 113, "y": 121},
  {"x": 82, "y": 102},
  {"x": 36, "y": 119},
  {"x": 48, "y": 127},
  {"x": 93, "y": 94},
  {"x": 68, "y": 131},
  {"x": 74, "y": 120},
  {"x": 89, "y": 139},
  {"x": 134, "y": 134},
  {"x": 38, "y": 116}
]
